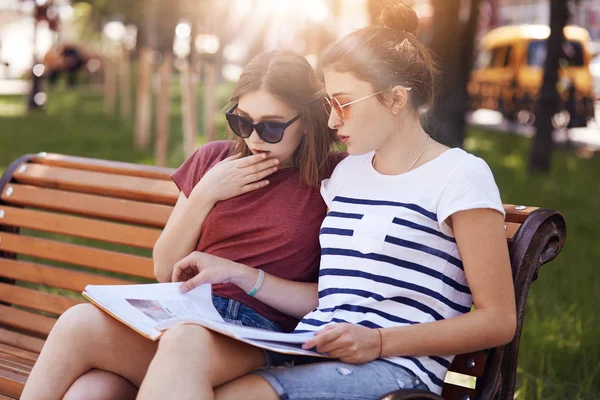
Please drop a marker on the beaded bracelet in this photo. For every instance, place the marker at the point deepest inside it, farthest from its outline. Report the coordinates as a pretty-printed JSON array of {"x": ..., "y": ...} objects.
[{"x": 258, "y": 284}]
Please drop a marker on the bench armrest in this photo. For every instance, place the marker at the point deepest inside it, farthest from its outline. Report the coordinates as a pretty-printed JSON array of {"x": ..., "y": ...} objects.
[{"x": 538, "y": 241}]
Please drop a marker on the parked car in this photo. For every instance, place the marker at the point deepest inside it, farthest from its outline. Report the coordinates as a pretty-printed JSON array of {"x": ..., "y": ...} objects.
[{"x": 509, "y": 71}]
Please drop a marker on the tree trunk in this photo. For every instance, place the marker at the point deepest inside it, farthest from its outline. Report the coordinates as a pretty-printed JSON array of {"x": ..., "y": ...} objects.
[
  {"x": 188, "y": 94},
  {"x": 125, "y": 84},
  {"x": 187, "y": 111},
  {"x": 110, "y": 84},
  {"x": 453, "y": 45},
  {"x": 167, "y": 16},
  {"x": 143, "y": 107},
  {"x": 163, "y": 110},
  {"x": 540, "y": 155},
  {"x": 210, "y": 99}
]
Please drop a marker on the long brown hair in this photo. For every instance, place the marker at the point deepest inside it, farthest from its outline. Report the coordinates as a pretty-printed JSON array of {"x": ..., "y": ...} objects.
[
  {"x": 387, "y": 55},
  {"x": 289, "y": 77}
]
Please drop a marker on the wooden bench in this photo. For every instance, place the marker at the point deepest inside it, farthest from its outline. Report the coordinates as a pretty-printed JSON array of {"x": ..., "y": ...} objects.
[{"x": 66, "y": 222}]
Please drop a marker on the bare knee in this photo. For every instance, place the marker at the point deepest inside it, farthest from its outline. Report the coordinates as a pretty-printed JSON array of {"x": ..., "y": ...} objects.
[
  {"x": 77, "y": 322},
  {"x": 101, "y": 385},
  {"x": 185, "y": 338},
  {"x": 82, "y": 327}
]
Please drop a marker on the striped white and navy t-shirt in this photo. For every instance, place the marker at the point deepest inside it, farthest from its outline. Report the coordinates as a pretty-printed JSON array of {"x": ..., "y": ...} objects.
[{"x": 387, "y": 256}]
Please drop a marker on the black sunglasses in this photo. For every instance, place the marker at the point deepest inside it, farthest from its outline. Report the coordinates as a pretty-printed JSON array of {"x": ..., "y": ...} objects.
[{"x": 269, "y": 131}]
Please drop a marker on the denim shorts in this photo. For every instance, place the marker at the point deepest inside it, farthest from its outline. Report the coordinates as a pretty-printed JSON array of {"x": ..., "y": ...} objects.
[
  {"x": 313, "y": 378},
  {"x": 237, "y": 313}
]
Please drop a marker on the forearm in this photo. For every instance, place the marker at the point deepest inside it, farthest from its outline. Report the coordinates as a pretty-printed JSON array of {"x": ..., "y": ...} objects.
[
  {"x": 180, "y": 237},
  {"x": 476, "y": 330},
  {"x": 292, "y": 298}
]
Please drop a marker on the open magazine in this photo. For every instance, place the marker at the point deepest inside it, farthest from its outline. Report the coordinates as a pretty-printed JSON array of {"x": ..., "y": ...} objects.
[{"x": 151, "y": 309}]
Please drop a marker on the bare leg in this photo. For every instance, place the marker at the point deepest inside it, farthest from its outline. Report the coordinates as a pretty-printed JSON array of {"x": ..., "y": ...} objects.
[
  {"x": 101, "y": 385},
  {"x": 248, "y": 387},
  {"x": 192, "y": 360},
  {"x": 85, "y": 338}
]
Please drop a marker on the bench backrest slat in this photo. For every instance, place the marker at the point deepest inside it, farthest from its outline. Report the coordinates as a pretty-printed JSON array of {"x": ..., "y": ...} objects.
[
  {"x": 35, "y": 299},
  {"x": 136, "y": 212},
  {"x": 105, "y": 260},
  {"x": 81, "y": 227},
  {"x": 113, "y": 167},
  {"x": 61, "y": 278},
  {"x": 102, "y": 183},
  {"x": 39, "y": 325}
]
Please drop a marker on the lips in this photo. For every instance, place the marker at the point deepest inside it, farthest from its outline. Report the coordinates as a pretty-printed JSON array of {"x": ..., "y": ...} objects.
[
  {"x": 256, "y": 151},
  {"x": 342, "y": 138}
]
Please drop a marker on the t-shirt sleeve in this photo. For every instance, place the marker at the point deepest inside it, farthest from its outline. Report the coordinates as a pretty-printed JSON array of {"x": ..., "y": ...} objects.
[
  {"x": 471, "y": 186},
  {"x": 330, "y": 187},
  {"x": 193, "y": 169}
]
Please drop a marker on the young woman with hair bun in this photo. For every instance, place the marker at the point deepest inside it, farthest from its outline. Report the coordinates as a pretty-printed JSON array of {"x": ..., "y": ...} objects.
[{"x": 414, "y": 236}]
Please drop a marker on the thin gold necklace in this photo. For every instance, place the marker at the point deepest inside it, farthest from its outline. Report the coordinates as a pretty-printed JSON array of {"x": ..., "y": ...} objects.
[{"x": 420, "y": 154}]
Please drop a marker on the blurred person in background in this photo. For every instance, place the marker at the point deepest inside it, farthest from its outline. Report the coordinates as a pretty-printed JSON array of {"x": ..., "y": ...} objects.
[{"x": 67, "y": 59}]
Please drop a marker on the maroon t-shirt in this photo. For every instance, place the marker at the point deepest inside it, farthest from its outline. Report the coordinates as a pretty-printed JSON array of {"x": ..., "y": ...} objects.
[{"x": 275, "y": 228}]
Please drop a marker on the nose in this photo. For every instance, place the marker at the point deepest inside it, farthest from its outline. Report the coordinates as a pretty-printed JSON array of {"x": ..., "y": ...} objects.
[
  {"x": 334, "y": 121},
  {"x": 254, "y": 138}
]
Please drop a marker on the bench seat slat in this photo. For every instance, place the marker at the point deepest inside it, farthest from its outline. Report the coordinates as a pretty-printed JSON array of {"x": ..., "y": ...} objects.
[
  {"x": 27, "y": 321},
  {"x": 16, "y": 362},
  {"x": 78, "y": 255},
  {"x": 12, "y": 384},
  {"x": 126, "y": 187},
  {"x": 21, "y": 341},
  {"x": 80, "y": 227},
  {"x": 14, "y": 368},
  {"x": 15, "y": 351},
  {"x": 136, "y": 212},
  {"x": 36, "y": 299},
  {"x": 97, "y": 165},
  {"x": 61, "y": 278}
]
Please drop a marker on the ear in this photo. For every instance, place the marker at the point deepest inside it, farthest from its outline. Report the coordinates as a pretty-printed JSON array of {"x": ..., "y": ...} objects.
[{"x": 399, "y": 98}]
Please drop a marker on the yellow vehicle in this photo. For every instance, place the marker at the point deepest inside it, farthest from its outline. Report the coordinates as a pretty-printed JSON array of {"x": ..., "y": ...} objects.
[{"x": 509, "y": 70}]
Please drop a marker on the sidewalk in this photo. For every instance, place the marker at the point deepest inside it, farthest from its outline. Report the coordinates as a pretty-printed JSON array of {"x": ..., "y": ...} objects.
[
  {"x": 13, "y": 86},
  {"x": 588, "y": 137}
]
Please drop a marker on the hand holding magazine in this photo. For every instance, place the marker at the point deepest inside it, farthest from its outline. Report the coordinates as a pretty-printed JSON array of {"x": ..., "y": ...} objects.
[{"x": 151, "y": 309}]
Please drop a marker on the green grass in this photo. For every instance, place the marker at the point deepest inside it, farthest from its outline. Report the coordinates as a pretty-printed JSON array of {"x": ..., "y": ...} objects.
[
  {"x": 74, "y": 123},
  {"x": 559, "y": 356},
  {"x": 560, "y": 350}
]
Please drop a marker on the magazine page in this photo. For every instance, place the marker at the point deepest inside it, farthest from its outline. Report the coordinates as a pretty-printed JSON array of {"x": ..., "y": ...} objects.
[
  {"x": 119, "y": 309},
  {"x": 141, "y": 307},
  {"x": 286, "y": 348},
  {"x": 162, "y": 301},
  {"x": 151, "y": 309},
  {"x": 239, "y": 331}
]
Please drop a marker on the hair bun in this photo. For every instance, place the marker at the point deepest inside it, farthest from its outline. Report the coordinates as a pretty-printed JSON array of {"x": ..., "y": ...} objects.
[{"x": 400, "y": 17}]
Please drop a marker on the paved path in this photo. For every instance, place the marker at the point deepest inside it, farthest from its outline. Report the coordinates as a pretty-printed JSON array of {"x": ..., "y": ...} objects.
[
  {"x": 13, "y": 86},
  {"x": 588, "y": 137}
]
